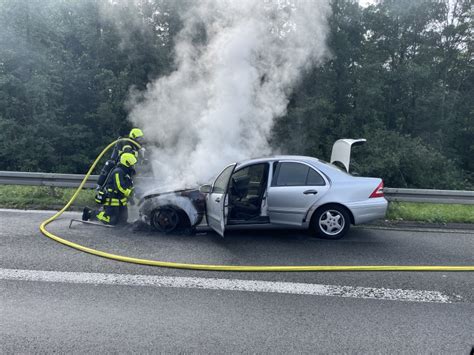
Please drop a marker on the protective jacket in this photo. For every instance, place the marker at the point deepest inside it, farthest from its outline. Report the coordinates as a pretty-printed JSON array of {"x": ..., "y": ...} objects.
[{"x": 119, "y": 186}]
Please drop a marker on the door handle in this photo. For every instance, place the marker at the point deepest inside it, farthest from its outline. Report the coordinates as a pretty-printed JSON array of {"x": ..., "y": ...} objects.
[
  {"x": 218, "y": 199},
  {"x": 307, "y": 192}
]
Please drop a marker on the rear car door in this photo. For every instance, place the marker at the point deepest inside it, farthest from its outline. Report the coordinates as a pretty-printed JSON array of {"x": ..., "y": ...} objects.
[
  {"x": 217, "y": 201},
  {"x": 294, "y": 189}
]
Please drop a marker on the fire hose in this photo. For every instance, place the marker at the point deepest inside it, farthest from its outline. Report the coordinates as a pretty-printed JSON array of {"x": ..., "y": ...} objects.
[{"x": 210, "y": 267}]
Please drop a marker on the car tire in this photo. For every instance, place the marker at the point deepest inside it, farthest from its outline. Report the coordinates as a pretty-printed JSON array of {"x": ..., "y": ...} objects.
[
  {"x": 331, "y": 222},
  {"x": 165, "y": 219}
]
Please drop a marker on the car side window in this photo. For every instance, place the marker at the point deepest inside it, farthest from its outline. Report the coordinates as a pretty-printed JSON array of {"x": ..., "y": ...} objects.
[
  {"x": 249, "y": 181},
  {"x": 291, "y": 174},
  {"x": 296, "y": 174},
  {"x": 222, "y": 181},
  {"x": 314, "y": 178}
]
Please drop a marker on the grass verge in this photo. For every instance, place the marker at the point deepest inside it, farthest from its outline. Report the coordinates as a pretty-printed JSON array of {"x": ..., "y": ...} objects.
[
  {"x": 430, "y": 212},
  {"x": 43, "y": 197}
]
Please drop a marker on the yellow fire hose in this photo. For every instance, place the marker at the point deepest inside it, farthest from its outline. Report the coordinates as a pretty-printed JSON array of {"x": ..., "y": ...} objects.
[{"x": 222, "y": 267}]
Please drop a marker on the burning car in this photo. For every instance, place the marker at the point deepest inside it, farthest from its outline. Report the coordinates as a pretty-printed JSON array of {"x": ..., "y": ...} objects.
[
  {"x": 274, "y": 192},
  {"x": 168, "y": 211}
]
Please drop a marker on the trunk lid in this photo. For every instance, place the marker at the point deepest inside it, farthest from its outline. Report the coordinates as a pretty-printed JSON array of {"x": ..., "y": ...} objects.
[{"x": 341, "y": 151}]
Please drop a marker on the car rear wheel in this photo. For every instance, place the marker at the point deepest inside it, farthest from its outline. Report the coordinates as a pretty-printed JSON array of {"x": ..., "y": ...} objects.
[
  {"x": 165, "y": 219},
  {"x": 331, "y": 222}
]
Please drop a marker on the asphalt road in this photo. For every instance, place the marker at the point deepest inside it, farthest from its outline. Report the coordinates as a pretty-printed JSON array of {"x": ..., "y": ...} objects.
[{"x": 69, "y": 301}]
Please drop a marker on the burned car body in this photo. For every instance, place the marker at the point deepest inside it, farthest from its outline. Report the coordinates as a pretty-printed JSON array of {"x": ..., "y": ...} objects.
[
  {"x": 275, "y": 192},
  {"x": 170, "y": 210}
]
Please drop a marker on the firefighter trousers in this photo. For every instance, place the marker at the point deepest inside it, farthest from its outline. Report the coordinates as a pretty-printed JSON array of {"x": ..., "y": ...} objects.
[{"x": 112, "y": 215}]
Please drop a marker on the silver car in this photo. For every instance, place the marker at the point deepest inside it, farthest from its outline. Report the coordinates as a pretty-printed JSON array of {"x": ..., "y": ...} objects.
[{"x": 275, "y": 192}]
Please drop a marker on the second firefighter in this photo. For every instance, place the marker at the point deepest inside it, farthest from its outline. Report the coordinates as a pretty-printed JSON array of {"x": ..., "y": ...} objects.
[{"x": 118, "y": 190}]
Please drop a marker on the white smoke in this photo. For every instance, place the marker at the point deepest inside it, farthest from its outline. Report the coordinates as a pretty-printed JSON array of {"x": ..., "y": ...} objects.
[{"x": 236, "y": 64}]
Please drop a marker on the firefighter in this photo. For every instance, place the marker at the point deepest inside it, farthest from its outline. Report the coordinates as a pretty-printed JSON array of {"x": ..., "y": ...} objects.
[
  {"x": 118, "y": 190},
  {"x": 136, "y": 135}
]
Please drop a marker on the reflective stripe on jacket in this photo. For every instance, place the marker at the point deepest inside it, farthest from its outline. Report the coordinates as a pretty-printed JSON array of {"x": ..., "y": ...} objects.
[
  {"x": 122, "y": 184},
  {"x": 119, "y": 187},
  {"x": 115, "y": 202}
]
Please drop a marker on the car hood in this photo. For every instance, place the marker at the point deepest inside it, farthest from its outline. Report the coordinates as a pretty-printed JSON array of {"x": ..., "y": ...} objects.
[{"x": 162, "y": 192}]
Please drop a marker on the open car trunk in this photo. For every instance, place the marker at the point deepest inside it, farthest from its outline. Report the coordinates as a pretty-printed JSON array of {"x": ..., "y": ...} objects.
[{"x": 341, "y": 151}]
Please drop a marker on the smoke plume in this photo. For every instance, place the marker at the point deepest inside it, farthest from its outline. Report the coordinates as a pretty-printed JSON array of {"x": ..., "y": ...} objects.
[{"x": 236, "y": 64}]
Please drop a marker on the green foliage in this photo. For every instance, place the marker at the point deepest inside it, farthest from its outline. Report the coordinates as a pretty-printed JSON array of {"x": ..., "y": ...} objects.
[
  {"x": 404, "y": 161},
  {"x": 401, "y": 77},
  {"x": 400, "y": 74},
  {"x": 65, "y": 72}
]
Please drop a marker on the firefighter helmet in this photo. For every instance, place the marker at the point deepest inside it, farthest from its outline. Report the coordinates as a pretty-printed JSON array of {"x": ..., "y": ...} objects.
[
  {"x": 135, "y": 133},
  {"x": 128, "y": 159}
]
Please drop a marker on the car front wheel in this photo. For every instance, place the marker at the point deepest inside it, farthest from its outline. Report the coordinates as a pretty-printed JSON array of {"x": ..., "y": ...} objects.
[
  {"x": 331, "y": 222},
  {"x": 165, "y": 219}
]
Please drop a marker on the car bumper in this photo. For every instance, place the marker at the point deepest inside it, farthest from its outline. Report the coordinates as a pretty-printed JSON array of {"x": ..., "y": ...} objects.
[{"x": 368, "y": 210}]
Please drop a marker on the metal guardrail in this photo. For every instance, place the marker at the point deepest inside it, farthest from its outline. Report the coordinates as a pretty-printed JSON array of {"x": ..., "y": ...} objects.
[
  {"x": 426, "y": 195},
  {"x": 45, "y": 179},
  {"x": 392, "y": 194}
]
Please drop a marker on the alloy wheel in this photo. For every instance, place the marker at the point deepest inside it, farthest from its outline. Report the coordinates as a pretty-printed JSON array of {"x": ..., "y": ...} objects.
[{"x": 332, "y": 222}]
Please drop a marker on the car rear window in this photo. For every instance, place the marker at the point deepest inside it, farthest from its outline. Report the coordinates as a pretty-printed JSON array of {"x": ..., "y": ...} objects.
[{"x": 335, "y": 167}]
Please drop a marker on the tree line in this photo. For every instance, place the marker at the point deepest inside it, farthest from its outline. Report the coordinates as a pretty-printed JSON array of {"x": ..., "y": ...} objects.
[{"x": 399, "y": 74}]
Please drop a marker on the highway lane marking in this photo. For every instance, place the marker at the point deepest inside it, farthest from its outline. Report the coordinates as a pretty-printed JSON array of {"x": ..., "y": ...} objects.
[{"x": 227, "y": 285}]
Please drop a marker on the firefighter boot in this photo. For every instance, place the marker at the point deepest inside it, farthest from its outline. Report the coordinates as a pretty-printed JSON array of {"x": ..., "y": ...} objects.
[{"x": 86, "y": 214}]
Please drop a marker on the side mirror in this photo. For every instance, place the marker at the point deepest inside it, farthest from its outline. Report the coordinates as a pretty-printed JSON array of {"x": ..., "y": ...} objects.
[{"x": 205, "y": 189}]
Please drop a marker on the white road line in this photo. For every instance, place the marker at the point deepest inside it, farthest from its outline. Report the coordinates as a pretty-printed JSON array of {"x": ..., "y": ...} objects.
[{"x": 227, "y": 285}]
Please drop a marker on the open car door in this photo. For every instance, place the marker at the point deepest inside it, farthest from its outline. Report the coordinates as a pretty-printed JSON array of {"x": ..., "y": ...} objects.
[
  {"x": 217, "y": 201},
  {"x": 341, "y": 151}
]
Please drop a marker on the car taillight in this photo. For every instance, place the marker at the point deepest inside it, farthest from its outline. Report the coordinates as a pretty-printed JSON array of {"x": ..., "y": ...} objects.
[{"x": 378, "y": 192}]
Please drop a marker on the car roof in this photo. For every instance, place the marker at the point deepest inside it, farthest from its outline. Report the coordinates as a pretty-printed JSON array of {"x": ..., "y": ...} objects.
[{"x": 276, "y": 158}]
